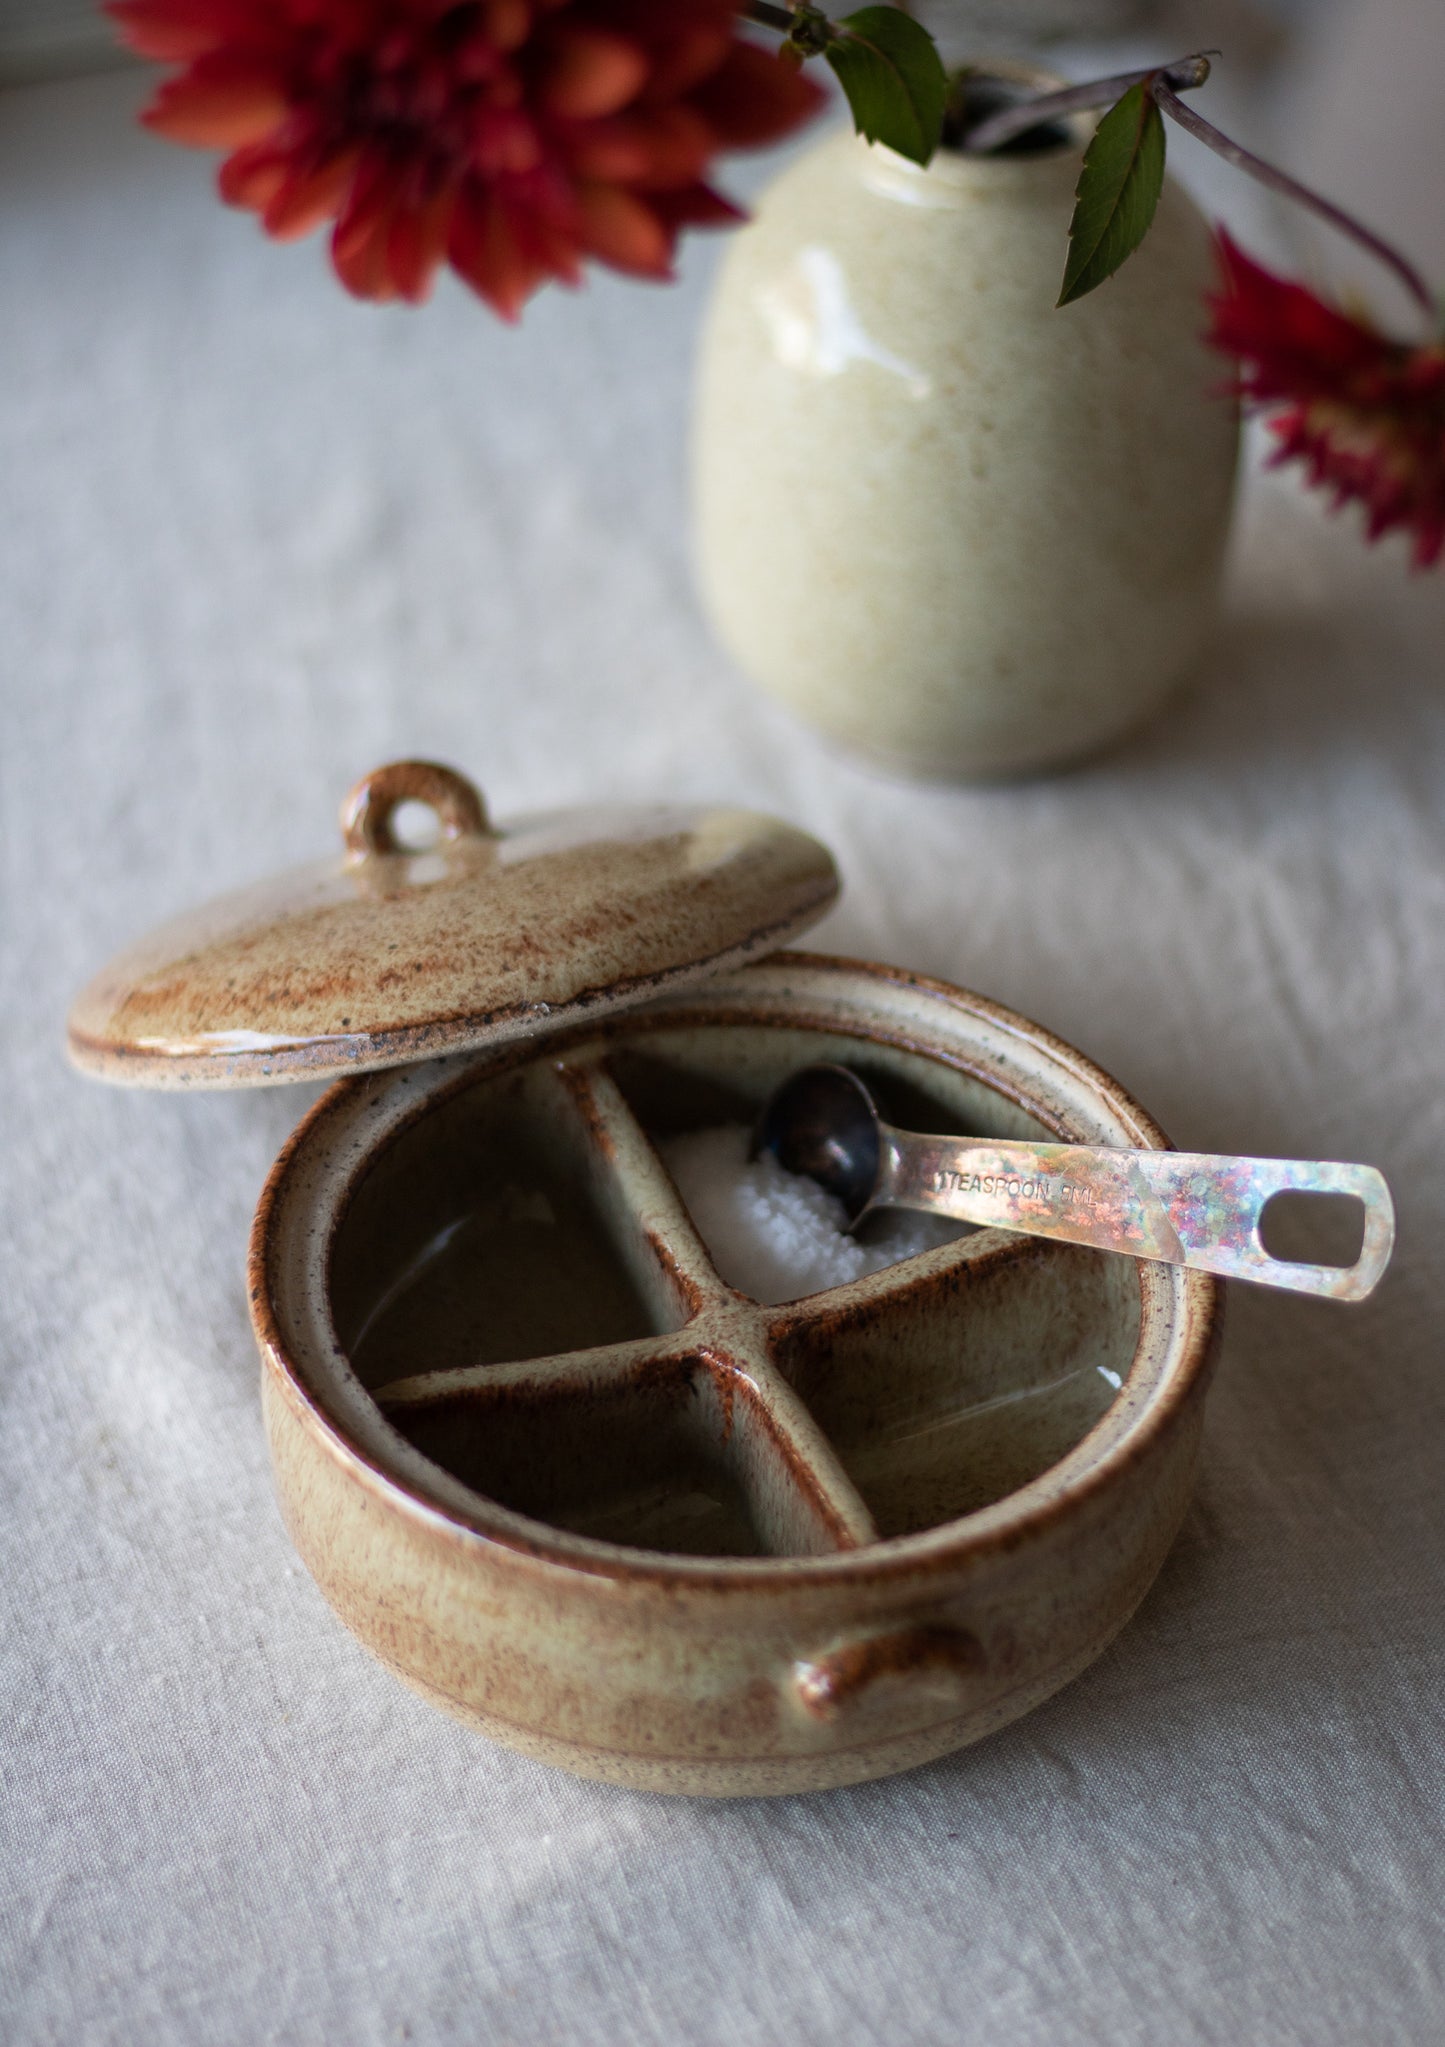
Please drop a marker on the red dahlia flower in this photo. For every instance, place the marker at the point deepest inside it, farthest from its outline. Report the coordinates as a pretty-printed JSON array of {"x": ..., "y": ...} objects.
[
  {"x": 514, "y": 139},
  {"x": 1365, "y": 414}
]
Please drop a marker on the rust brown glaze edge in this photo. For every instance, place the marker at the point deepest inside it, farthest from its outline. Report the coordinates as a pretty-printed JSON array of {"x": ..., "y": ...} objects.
[
  {"x": 308, "y": 1059},
  {"x": 453, "y": 1562}
]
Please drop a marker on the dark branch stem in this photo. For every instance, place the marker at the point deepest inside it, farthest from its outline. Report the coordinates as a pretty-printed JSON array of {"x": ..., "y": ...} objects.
[
  {"x": 768, "y": 16},
  {"x": 1277, "y": 181},
  {"x": 1002, "y": 127}
]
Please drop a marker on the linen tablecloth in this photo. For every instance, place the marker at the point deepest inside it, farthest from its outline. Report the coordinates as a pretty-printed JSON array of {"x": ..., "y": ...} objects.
[{"x": 255, "y": 539}]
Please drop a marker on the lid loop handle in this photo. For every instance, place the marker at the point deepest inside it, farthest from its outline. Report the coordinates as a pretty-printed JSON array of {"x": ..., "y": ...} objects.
[{"x": 367, "y": 812}]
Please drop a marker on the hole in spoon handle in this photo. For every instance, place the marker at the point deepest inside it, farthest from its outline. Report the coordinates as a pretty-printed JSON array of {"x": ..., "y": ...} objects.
[
  {"x": 1182, "y": 1208},
  {"x": 1216, "y": 1206}
]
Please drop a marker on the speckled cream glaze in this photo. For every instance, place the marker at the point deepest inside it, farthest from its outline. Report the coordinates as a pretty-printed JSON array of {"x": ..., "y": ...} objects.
[
  {"x": 877, "y": 1626},
  {"x": 380, "y": 955},
  {"x": 961, "y": 531}
]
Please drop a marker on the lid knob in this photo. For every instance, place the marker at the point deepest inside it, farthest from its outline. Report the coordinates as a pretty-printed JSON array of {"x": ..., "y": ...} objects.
[{"x": 367, "y": 813}]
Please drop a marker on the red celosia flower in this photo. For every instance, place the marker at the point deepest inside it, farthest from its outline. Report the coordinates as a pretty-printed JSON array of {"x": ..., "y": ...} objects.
[
  {"x": 1365, "y": 414},
  {"x": 513, "y": 139}
]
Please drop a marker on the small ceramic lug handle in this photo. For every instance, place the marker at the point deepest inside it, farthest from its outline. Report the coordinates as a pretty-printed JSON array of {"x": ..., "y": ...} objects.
[
  {"x": 941, "y": 1662},
  {"x": 367, "y": 812}
]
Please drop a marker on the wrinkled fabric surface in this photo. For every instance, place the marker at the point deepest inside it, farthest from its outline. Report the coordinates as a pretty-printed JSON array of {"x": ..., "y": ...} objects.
[{"x": 256, "y": 539}]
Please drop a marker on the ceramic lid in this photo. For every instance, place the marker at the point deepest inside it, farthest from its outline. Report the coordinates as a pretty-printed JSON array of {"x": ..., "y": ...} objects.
[{"x": 385, "y": 954}]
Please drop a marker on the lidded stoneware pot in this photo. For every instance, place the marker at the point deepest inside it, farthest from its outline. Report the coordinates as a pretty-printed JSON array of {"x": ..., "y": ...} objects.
[
  {"x": 964, "y": 532},
  {"x": 542, "y": 1460}
]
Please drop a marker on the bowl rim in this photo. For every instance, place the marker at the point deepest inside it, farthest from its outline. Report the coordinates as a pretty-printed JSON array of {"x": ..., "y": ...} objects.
[{"x": 1181, "y": 1314}]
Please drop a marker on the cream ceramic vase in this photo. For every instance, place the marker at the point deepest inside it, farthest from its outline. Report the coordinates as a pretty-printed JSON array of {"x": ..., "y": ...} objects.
[{"x": 962, "y": 532}]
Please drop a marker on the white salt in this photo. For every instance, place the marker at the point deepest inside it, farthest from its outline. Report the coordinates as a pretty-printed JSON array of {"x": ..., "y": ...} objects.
[{"x": 775, "y": 1235}]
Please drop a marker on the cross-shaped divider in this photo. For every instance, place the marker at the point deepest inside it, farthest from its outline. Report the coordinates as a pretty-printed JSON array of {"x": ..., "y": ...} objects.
[
  {"x": 709, "y": 1392},
  {"x": 672, "y": 1424}
]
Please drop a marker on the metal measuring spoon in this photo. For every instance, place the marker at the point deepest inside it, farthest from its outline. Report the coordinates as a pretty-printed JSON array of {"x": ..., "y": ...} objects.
[{"x": 1183, "y": 1208}]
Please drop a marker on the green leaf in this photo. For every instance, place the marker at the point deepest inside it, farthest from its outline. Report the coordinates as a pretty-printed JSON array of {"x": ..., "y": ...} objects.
[
  {"x": 894, "y": 78},
  {"x": 1117, "y": 193}
]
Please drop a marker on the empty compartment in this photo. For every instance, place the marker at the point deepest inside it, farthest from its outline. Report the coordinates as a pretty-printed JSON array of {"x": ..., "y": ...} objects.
[
  {"x": 948, "y": 1393},
  {"x": 490, "y": 1230},
  {"x": 636, "y": 1461}
]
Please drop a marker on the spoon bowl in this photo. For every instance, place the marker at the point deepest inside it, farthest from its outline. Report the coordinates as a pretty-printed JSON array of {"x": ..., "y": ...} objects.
[{"x": 823, "y": 1124}]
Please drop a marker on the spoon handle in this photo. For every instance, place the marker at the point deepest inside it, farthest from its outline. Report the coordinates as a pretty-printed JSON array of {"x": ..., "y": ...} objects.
[{"x": 1184, "y": 1208}]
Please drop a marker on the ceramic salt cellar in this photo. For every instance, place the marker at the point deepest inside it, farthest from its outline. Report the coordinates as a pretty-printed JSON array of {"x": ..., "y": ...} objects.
[{"x": 538, "y": 1455}]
